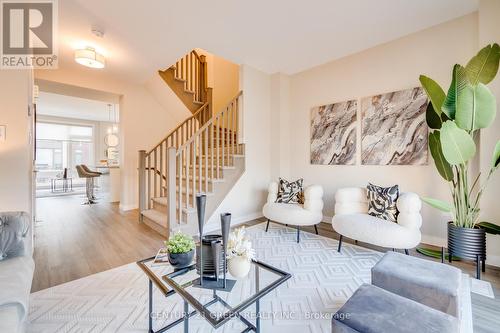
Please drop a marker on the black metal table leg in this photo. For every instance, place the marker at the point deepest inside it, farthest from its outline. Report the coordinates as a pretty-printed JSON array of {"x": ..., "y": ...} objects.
[
  {"x": 316, "y": 229},
  {"x": 267, "y": 225},
  {"x": 150, "y": 314},
  {"x": 298, "y": 234},
  {"x": 340, "y": 243},
  {"x": 478, "y": 266},
  {"x": 450, "y": 255},
  {"x": 186, "y": 317},
  {"x": 484, "y": 265},
  {"x": 257, "y": 303},
  {"x": 442, "y": 254}
]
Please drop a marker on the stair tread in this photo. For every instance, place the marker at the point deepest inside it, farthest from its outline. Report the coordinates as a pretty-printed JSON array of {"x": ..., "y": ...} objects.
[
  {"x": 163, "y": 201},
  {"x": 156, "y": 216}
]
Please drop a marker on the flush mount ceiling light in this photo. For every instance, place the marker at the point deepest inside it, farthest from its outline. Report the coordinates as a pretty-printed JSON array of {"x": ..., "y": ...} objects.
[{"x": 90, "y": 58}]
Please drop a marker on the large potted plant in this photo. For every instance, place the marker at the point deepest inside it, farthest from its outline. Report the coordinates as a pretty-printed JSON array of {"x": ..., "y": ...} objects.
[{"x": 455, "y": 120}]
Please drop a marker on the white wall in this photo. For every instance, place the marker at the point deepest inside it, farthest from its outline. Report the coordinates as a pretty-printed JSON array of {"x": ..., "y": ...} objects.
[
  {"x": 246, "y": 198},
  {"x": 15, "y": 152},
  {"x": 385, "y": 68},
  {"x": 144, "y": 121}
]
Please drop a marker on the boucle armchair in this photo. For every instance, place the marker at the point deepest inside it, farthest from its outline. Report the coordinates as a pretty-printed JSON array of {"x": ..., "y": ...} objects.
[
  {"x": 307, "y": 214},
  {"x": 352, "y": 220}
]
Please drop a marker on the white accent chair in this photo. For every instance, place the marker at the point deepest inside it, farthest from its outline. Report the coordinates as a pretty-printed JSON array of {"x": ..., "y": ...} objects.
[
  {"x": 352, "y": 220},
  {"x": 307, "y": 214}
]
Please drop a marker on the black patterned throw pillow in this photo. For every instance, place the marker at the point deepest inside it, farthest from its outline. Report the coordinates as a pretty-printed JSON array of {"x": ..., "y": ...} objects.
[
  {"x": 382, "y": 202},
  {"x": 290, "y": 192}
]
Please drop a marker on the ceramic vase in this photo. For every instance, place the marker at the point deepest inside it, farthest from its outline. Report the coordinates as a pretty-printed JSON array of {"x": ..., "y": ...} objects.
[{"x": 238, "y": 267}]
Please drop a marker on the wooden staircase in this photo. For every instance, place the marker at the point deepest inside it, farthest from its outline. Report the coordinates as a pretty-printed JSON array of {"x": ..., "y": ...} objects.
[
  {"x": 201, "y": 155},
  {"x": 188, "y": 79}
]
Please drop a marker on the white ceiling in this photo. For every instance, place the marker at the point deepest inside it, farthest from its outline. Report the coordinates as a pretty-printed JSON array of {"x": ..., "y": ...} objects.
[
  {"x": 272, "y": 35},
  {"x": 56, "y": 105}
]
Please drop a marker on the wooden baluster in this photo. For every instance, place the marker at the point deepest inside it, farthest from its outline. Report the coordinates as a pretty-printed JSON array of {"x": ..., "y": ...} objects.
[
  {"x": 223, "y": 138},
  {"x": 206, "y": 158},
  {"x": 182, "y": 69},
  {"x": 200, "y": 153},
  {"x": 193, "y": 152},
  {"x": 235, "y": 148},
  {"x": 190, "y": 80},
  {"x": 155, "y": 174},
  {"x": 162, "y": 190},
  {"x": 188, "y": 152},
  {"x": 179, "y": 173},
  {"x": 212, "y": 156},
  {"x": 149, "y": 181},
  {"x": 217, "y": 145},
  {"x": 171, "y": 180}
]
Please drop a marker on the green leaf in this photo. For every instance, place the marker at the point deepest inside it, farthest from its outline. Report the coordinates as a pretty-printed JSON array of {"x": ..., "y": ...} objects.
[
  {"x": 438, "y": 204},
  {"x": 496, "y": 156},
  {"x": 434, "y": 253},
  {"x": 460, "y": 94},
  {"x": 432, "y": 117},
  {"x": 481, "y": 113},
  {"x": 457, "y": 145},
  {"x": 483, "y": 67},
  {"x": 434, "y": 92},
  {"x": 490, "y": 227},
  {"x": 442, "y": 165}
]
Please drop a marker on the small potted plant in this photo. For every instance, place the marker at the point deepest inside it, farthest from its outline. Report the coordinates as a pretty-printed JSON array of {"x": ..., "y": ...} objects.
[
  {"x": 239, "y": 254},
  {"x": 180, "y": 249}
]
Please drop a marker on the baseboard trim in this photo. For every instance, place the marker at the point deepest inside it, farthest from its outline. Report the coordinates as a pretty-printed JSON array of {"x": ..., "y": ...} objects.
[
  {"x": 125, "y": 208},
  {"x": 214, "y": 226},
  {"x": 327, "y": 219},
  {"x": 492, "y": 260}
]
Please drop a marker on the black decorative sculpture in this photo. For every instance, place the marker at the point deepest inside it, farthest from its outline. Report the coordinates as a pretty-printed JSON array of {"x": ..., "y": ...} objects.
[{"x": 212, "y": 252}]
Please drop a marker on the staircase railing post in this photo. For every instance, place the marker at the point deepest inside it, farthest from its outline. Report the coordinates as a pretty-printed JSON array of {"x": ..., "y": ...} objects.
[
  {"x": 171, "y": 187},
  {"x": 142, "y": 182},
  {"x": 203, "y": 78}
]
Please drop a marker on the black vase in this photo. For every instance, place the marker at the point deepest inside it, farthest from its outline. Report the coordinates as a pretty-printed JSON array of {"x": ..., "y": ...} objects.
[
  {"x": 181, "y": 260},
  {"x": 466, "y": 243}
]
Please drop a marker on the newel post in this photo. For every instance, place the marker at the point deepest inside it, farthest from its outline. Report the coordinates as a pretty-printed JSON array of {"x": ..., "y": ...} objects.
[
  {"x": 142, "y": 182},
  {"x": 171, "y": 187}
]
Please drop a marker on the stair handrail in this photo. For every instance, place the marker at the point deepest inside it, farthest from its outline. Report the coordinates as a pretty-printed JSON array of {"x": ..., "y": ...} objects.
[
  {"x": 209, "y": 122},
  {"x": 171, "y": 133}
]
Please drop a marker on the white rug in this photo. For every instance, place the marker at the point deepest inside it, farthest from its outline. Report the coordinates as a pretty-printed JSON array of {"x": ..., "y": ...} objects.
[{"x": 116, "y": 300}]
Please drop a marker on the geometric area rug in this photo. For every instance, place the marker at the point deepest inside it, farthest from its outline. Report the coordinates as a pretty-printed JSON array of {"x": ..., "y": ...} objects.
[{"x": 116, "y": 300}]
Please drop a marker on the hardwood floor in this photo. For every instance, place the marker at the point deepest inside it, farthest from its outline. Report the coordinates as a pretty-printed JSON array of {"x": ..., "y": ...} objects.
[{"x": 73, "y": 241}]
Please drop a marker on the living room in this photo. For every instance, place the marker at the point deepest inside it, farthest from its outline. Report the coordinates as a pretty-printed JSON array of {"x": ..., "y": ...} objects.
[{"x": 301, "y": 129}]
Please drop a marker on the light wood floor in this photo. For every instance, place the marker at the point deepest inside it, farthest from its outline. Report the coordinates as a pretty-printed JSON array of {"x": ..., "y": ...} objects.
[{"x": 73, "y": 241}]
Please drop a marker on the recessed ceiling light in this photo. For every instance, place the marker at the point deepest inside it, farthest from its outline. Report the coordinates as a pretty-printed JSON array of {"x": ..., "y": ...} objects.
[{"x": 90, "y": 58}]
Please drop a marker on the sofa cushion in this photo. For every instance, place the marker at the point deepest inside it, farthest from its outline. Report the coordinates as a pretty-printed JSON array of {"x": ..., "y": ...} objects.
[
  {"x": 293, "y": 214},
  {"x": 382, "y": 202},
  {"x": 430, "y": 283},
  {"x": 16, "y": 275},
  {"x": 290, "y": 192},
  {"x": 374, "y": 310},
  {"x": 13, "y": 228},
  {"x": 370, "y": 229}
]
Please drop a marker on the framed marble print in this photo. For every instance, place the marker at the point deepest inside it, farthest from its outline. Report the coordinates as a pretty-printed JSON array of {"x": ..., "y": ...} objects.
[
  {"x": 393, "y": 129},
  {"x": 333, "y": 133}
]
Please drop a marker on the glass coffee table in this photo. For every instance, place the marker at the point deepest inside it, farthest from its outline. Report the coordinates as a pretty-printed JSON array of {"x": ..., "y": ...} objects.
[{"x": 261, "y": 280}]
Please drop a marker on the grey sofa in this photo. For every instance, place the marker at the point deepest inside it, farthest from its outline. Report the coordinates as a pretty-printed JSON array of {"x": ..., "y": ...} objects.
[
  {"x": 408, "y": 295},
  {"x": 16, "y": 275}
]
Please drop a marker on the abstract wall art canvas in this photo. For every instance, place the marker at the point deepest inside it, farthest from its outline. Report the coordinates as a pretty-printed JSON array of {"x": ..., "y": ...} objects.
[
  {"x": 333, "y": 133},
  {"x": 394, "y": 131}
]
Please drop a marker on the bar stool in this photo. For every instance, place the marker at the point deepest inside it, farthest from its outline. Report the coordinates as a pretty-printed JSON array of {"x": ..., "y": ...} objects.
[{"x": 89, "y": 175}]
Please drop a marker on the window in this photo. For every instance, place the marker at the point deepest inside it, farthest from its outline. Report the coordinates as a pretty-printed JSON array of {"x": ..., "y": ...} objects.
[{"x": 60, "y": 146}]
